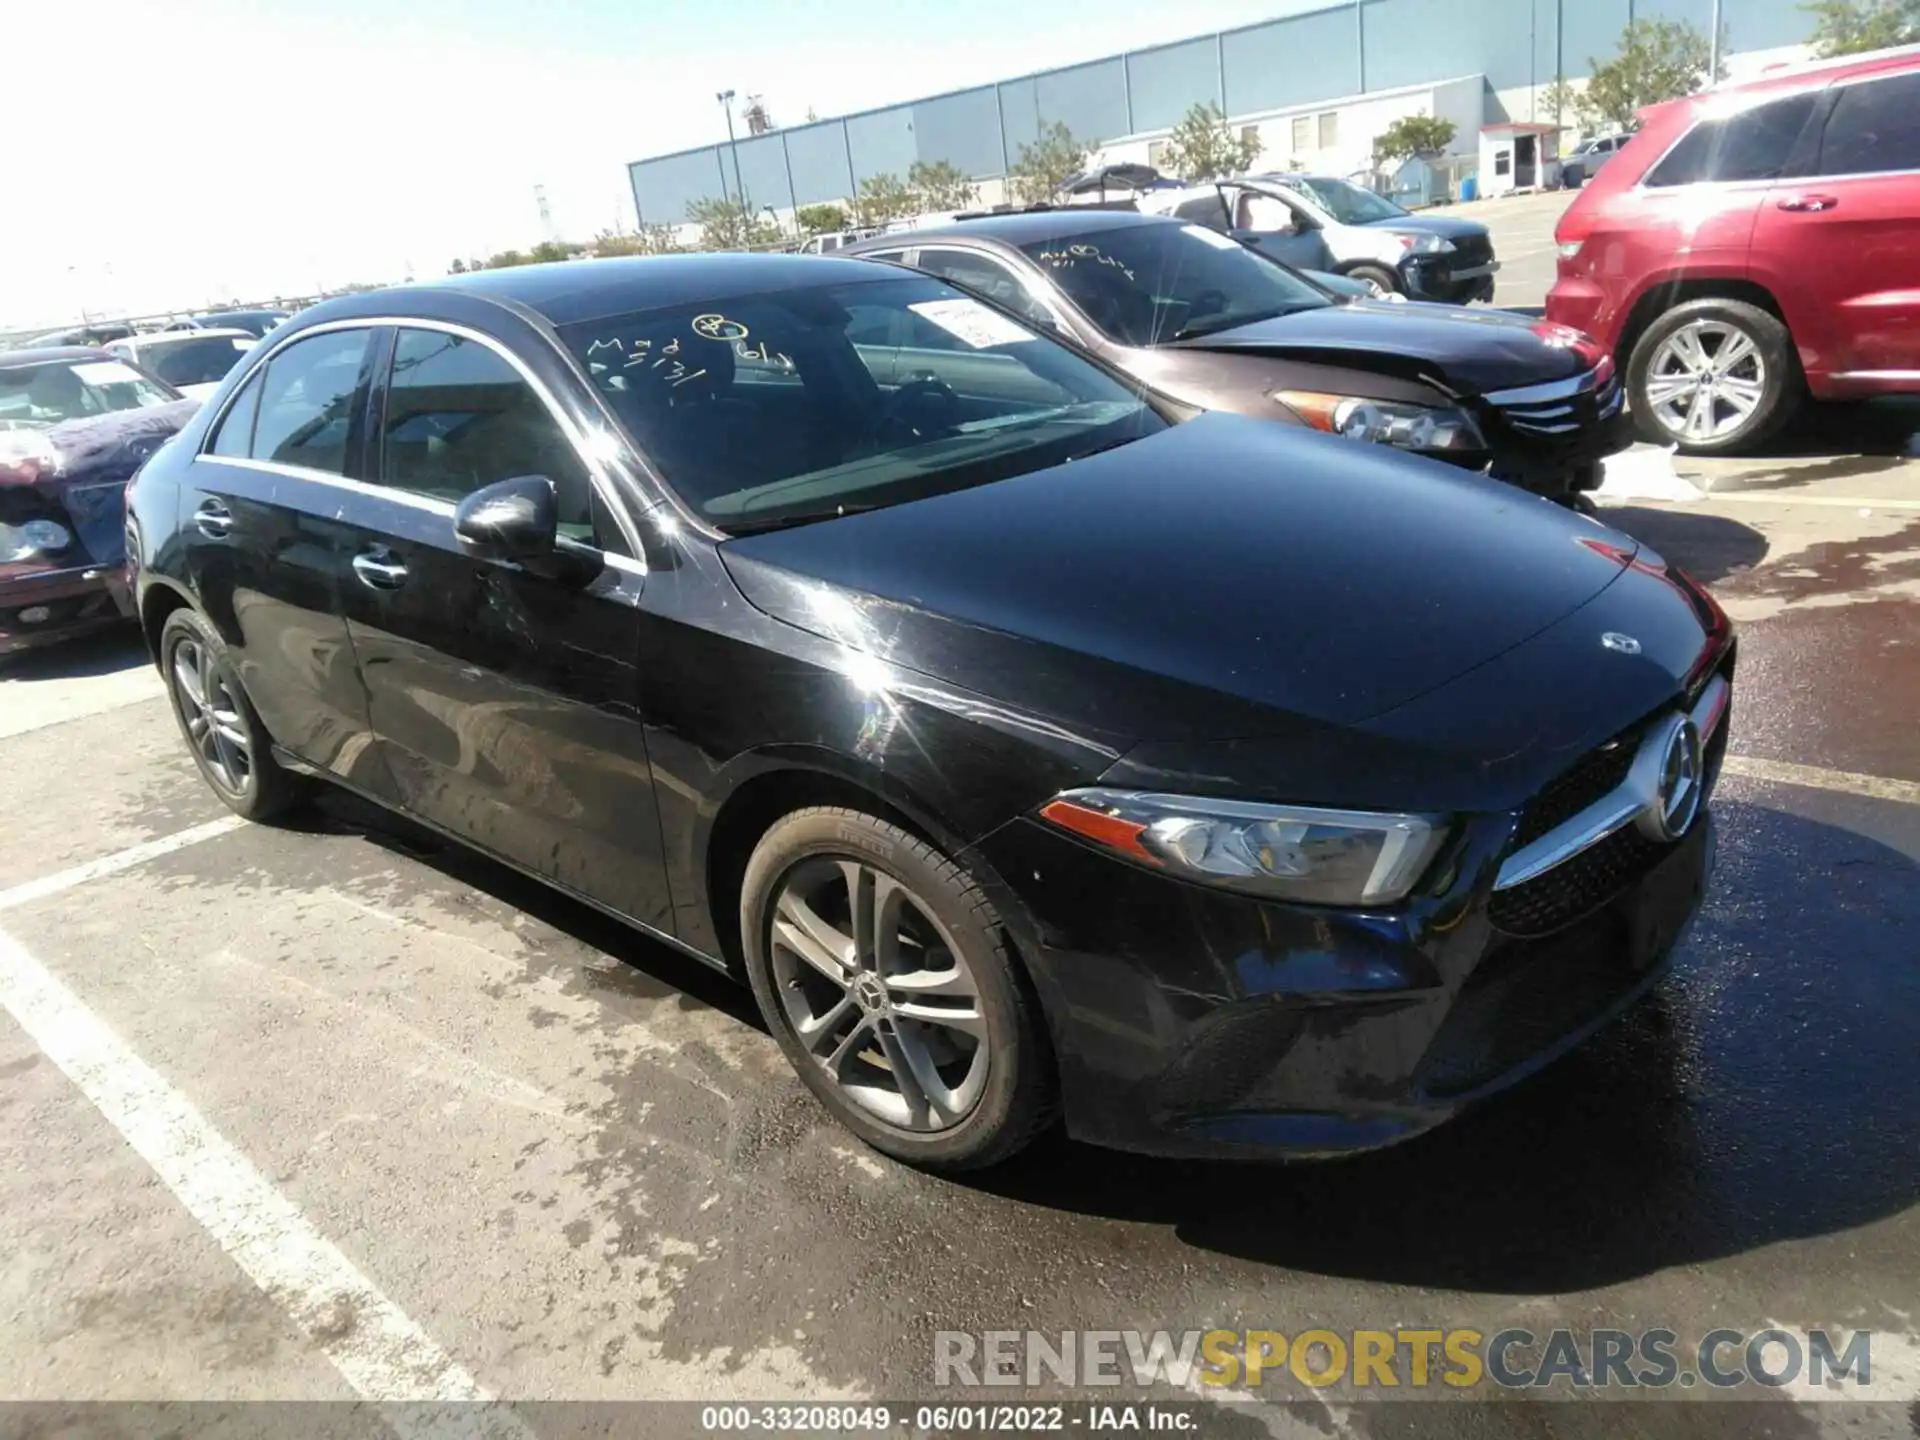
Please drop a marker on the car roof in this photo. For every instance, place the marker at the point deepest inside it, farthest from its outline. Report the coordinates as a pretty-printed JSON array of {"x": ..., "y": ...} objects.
[
  {"x": 209, "y": 318},
  {"x": 1017, "y": 227},
  {"x": 175, "y": 337},
  {"x": 41, "y": 355},
  {"x": 570, "y": 291}
]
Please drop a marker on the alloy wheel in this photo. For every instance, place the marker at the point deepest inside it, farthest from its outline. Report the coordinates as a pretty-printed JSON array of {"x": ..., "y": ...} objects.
[
  {"x": 1705, "y": 381},
  {"x": 878, "y": 993},
  {"x": 211, "y": 713}
]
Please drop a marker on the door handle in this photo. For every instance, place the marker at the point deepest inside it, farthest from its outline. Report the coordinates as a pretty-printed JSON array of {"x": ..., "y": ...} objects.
[
  {"x": 379, "y": 569},
  {"x": 1812, "y": 203},
  {"x": 213, "y": 520}
]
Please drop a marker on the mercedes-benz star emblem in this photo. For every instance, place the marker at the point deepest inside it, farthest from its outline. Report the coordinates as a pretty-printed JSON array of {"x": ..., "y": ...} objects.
[
  {"x": 1623, "y": 644},
  {"x": 1677, "y": 790}
]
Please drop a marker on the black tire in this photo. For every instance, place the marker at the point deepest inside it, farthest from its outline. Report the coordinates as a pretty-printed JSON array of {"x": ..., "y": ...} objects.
[
  {"x": 1378, "y": 275},
  {"x": 265, "y": 789},
  {"x": 1015, "y": 1099},
  {"x": 1782, "y": 384}
]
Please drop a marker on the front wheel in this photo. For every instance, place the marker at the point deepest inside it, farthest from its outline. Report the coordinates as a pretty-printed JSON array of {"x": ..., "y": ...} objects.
[
  {"x": 881, "y": 969},
  {"x": 228, "y": 742},
  {"x": 1379, "y": 280},
  {"x": 1712, "y": 376}
]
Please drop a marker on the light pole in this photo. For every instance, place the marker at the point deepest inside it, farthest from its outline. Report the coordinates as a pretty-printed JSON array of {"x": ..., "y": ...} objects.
[
  {"x": 725, "y": 97},
  {"x": 1713, "y": 48}
]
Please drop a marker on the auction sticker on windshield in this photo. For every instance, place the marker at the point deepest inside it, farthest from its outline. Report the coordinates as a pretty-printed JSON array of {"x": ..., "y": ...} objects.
[{"x": 974, "y": 323}]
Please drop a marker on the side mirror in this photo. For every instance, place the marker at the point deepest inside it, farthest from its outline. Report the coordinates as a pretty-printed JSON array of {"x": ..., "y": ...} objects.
[{"x": 517, "y": 519}]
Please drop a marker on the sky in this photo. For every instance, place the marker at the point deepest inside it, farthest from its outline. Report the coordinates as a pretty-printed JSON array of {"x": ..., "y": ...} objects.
[{"x": 205, "y": 150}]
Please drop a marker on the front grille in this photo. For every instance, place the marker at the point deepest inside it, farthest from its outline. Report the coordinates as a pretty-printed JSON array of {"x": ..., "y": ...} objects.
[
  {"x": 1471, "y": 251},
  {"x": 1577, "y": 887},
  {"x": 1596, "y": 774},
  {"x": 1566, "y": 416}
]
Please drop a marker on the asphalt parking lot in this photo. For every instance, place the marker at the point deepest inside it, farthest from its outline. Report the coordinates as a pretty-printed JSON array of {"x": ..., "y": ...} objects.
[{"x": 331, "y": 1110}]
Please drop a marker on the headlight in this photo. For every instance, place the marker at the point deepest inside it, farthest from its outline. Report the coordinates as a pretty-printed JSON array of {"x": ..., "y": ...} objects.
[
  {"x": 1569, "y": 248},
  {"x": 1425, "y": 244},
  {"x": 1386, "y": 422},
  {"x": 36, "y": 537},
  {"x": 1283, "y": 852}
]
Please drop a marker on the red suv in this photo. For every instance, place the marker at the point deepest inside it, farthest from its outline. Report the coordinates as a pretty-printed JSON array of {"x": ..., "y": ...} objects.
[{"x": 1755, "y": 243}]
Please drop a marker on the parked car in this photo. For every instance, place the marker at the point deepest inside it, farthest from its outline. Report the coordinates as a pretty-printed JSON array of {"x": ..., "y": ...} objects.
[
  {"x": 1755, "y": 244},
  {"x": 1023, "y": 748},
  {"x": 1363, "y": 235},
  {"x": 194, "y": 362},
  {"x": 255, "y": 322},
  {"x": 1587, "y": 157},
  {"x": 1217, "y": 325},
  {"x": 74, "y": 426},
  {"x": 81, "y": 336}
]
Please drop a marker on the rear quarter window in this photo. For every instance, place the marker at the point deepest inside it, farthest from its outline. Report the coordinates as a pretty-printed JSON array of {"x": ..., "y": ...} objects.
[{"x": 1756, "y": 144}]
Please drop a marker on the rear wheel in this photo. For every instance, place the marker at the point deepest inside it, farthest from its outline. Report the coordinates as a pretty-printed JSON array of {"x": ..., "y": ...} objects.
[
  {"x": 1712, "y": 376},
  {"x": 228, "y": 742},
  {"x": 1379, "y": 280},
  {"x": 880, "y": 967}
]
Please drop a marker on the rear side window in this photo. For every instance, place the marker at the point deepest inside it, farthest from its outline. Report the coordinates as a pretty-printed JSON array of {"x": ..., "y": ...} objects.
[
  {"x": 1874, "y": 128},
  {"x": 1755, "y": 144},
  {"x": 307, "y": 401}
]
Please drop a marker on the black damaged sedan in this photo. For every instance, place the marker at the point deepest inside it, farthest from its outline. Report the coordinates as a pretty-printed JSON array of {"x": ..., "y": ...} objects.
[{"x": 1225, "y": 788}]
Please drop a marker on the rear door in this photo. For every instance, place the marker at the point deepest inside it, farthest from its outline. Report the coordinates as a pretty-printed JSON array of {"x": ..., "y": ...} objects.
[
  {"x": 265, "y": 551},
  {"x": 505, "y": 703},
  {"x": 1841, "y": 244}
]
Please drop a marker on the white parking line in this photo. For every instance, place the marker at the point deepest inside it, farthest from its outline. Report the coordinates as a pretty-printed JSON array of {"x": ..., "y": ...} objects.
[
  {"x": 380, "y": 1352},
  {"x": 1833, "y": 502},
  {"x": 1874, "y": 787},
  {"x": 113, "y": 864}
]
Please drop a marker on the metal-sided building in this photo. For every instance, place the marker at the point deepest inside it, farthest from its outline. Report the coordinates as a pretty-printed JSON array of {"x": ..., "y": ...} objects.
[{"x": 1318, "y": 86}]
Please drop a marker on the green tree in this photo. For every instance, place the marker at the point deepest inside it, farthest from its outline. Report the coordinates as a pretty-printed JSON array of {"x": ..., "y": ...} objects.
[
  {"x": 821, "y": 219},
  {"x": 1657, "y": 60},
  {"x": 1204, "y": 147},
  {"x": 505, "y": 260},
  {"x": 459, "y": 267},
  {"x": 1849, "y": 27},
  {"x": 1562, "y": 101},
  {"x": 1049, "y": 162},
  {"x": 883, "y": 198},
  {"x": 647, "y": 240},
  {"x": 941, "y": 185},
  {"x": 727, "y": 224},
  {"x": 548, "y": 251},
  {"x": 1413, "y": 135}
]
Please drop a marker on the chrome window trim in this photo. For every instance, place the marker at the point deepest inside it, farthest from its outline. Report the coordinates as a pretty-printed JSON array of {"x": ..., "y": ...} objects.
[
  {"x": 1616, "y": 809},
  {"x": 596, "y": 476}
]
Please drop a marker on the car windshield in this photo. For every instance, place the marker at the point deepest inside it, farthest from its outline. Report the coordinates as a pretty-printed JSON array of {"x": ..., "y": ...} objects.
[
  {"x": 1151, "y": 283},
  {"x": 200, "y": 361},
  {"x": 801, "y": 405},
  {"x": 1347, "y": 203},
  {"x": 34, "y": 396}
]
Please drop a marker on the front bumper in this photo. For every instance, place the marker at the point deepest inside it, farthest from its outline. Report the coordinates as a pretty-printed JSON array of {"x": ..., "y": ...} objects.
[
  {"x": 1438, "y": 278},
  {"x": 49, "y": 606},
  {"x": 1191, "y": 1021}
]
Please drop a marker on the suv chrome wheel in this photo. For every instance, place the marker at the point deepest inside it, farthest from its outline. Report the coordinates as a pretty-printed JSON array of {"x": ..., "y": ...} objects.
[
  {"x": 879, "y": 994},
  {"x": 1705, "y": 381}
]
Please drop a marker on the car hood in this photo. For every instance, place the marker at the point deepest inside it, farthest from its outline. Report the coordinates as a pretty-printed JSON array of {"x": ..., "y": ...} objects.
[
  {"x": 77, "y": 471},
  {"x": 1468, "y": 351},
  {"x": 1225, "y": 577},
  {"x": 1445, "y": 226}
]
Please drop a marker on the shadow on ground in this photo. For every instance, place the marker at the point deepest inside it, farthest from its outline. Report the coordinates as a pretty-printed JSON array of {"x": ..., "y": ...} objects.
[
  {"x": 106, "y": 652},
  {"x": 1710, "y": 548},
  {"x": 1861, "y": 437}
]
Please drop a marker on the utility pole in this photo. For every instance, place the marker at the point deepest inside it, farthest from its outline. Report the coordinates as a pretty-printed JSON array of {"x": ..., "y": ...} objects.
[{"x": 546, "y": 212}]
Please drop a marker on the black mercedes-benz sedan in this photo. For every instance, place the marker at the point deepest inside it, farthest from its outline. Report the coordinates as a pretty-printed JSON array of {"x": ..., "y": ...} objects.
[
  {"x": 1202, "y": 317},
  {"x": 1028, "y": 749}
]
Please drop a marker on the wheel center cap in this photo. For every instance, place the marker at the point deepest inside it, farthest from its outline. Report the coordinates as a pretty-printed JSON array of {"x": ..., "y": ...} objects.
[{"x": 870, "y": 994}]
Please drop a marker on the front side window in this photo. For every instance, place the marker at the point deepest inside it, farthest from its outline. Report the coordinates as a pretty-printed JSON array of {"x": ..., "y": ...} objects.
[
  {"x": 35, "y": 396},
  {"x": 1151, "y": 283},
  {"x": 975, "y": 398},
  {"x": 1874, "y": 128},
  {"x": 459, "y": 416},
  {"x": 1754, "y": 144},
  {"x": 307, "y": 401}
]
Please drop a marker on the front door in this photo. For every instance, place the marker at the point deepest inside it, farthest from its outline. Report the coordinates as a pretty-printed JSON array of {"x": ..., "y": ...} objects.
[
  {"x": 1278, "y": 227},
  {"x": 504, "y": 702},
  {"x": 1842, "y": 241},
  {"x": 265, "y": 550}
]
